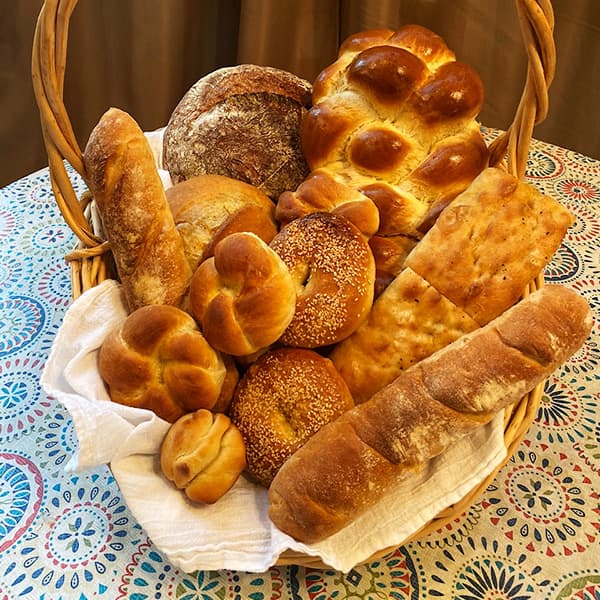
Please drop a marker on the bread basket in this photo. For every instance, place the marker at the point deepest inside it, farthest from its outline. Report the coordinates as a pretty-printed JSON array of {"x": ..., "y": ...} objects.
[{"x": 91, "y": 261}]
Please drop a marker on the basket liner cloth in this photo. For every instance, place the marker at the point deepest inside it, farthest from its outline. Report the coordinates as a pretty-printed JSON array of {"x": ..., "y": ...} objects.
[{"x": 235, "y": 532}]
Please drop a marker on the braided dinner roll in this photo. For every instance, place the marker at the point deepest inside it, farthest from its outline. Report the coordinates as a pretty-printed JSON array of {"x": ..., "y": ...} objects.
[
  {"x": 394, "y": 117},
  {"x": 158, "y": 360},
  {"x": 244, "y": 296}
]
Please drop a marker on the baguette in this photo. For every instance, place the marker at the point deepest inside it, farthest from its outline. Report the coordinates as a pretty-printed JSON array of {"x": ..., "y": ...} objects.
[
  {"x": 124, "y": 180},
  {"x": 350, "y": 463}
]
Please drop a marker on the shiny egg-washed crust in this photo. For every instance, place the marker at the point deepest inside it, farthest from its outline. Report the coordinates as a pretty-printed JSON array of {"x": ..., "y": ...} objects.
[
  {"x": 394, "y": 117},
  {"x": 207, "y": 208},
  {"x": 244, "y": 296},
  {"x": 158, "y": 360},
  {"x": 334, "y": 272},
  {"x": 241, "y": 122},
  {"x": 283, "y": 399},
  {"x": 321, "y": 192},
  {"x": 203, "y": 454}
]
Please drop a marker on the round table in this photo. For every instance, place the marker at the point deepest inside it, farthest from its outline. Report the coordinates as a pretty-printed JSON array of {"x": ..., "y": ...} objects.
[{"x": 535, "y": 532}]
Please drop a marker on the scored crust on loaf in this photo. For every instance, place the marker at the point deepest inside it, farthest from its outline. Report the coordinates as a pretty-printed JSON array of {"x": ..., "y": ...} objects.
[
  {"x": 394, "y": 118},
  {"x": 350, "y": 463},
  {"x": 241, "y": 122},
  {"x": 408, "y": 322},
  {"x": 489, "y": 243},
  {"x": 124, "y": 180}
]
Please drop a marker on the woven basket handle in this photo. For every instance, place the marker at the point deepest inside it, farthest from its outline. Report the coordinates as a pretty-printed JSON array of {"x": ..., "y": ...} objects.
[{"x": 536, "y": 20}]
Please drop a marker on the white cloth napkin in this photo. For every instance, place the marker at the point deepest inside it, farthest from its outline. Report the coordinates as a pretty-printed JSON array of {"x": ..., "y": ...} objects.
[{"x": 234, "y": 533}]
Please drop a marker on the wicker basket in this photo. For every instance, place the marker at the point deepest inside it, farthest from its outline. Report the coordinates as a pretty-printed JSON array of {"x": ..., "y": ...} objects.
[{"x": 91, "y": 262}]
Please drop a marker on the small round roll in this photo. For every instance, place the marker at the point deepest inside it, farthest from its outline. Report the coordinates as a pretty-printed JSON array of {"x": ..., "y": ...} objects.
[
  {"x": 283, "y": 399},
  {"x": 203, "y": 454},
  {"x": 159, "y": 360},
  {"x": 334, "y": 272},
  {"x": 244, "y": 296}
]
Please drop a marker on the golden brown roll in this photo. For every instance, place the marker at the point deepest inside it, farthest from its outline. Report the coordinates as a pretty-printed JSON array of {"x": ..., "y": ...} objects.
[
  {"x": 203, "y": 454},
  {"x": 284, "y": 398},
  {"x": 208, "y": 208},
  {"x": 124, "y": 180},
  {"x": 320, "y": 192},
  {"x": 334, "y": 272},
  {"x": 244, "y": 296},
  {"x": 394, "y": 118},
  {"x": 158, "y": 360},
  {"x": 242, "y": 122},
  {"x": 389, "y": 253}
]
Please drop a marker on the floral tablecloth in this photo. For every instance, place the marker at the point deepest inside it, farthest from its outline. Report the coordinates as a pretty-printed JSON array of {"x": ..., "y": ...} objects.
[{"x": 535, "y": 532}]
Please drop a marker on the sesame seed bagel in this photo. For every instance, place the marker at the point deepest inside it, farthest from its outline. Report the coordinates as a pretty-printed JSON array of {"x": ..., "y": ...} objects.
[
  {"x": 283, "y": 399},
  {"x": 334, "y": 272}
]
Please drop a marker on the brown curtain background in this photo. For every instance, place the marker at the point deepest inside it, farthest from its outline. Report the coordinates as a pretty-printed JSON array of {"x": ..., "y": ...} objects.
[{"x": 143, "y": 55}]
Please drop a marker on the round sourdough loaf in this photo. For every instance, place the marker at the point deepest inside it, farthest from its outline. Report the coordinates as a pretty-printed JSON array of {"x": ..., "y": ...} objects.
[{"x": 242, "y": 122}]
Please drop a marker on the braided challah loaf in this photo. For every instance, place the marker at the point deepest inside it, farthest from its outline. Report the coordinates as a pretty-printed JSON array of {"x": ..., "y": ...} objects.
[{"x": 394, "y": 118}]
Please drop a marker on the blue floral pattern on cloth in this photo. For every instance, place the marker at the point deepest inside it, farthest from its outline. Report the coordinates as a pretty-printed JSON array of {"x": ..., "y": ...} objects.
[{"x": 534, "y": 533}]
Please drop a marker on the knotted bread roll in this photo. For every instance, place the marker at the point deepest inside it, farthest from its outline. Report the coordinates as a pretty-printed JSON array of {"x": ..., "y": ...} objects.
[
  {"x": 158, "y": 359},
  {"x": 394, "y": 117},
  {"x": 244, "y": 296}
]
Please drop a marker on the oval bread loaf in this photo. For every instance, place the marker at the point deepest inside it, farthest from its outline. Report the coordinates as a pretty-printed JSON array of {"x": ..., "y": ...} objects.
[{"x": 350, "y": 463}]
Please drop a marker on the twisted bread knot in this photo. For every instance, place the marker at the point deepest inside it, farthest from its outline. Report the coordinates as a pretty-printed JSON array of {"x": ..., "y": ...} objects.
[
  {"x": 244, "y": 296},
  {"x": 394, "y": 117},
  {"x": 158, "y": 360}
]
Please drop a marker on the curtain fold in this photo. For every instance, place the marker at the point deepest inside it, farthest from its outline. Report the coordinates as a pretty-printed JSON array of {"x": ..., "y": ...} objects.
[{"x": 143, "y": 55}]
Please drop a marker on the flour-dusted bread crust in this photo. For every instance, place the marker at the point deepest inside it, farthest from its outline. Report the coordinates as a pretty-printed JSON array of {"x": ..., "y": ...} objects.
[
  {"x": 124, "y": 180},
  {"x": 241, "y": 122},
  {"x": 408, "y": 322},
  {"x": 350, "y": 463},
  {"x": 394, "y": 118},
  {"x": 495, "y": 237}
]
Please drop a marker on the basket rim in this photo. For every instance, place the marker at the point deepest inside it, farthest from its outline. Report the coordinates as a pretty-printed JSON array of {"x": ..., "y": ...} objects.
[{"x": 91, "y": 261}]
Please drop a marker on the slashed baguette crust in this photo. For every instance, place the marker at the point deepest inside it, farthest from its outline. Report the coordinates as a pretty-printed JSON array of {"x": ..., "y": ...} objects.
[
  {"x": 350, "y": 463},
  {"x": 124, "y": 180}
]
